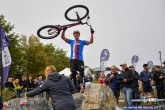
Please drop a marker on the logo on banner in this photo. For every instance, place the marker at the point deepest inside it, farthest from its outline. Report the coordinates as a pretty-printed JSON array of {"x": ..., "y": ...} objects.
[
  {"x": 150, "y": 65},
  {"x": 135, "y": 59},
  {"x": 104, "y": 59}
]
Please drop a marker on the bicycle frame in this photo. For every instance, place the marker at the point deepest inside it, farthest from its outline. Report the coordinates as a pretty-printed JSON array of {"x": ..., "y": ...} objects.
[{"x": 75, "y": 24}]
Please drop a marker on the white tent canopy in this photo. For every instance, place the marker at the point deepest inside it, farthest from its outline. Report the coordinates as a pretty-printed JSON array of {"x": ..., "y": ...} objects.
[{"x": 67, "y": 72}]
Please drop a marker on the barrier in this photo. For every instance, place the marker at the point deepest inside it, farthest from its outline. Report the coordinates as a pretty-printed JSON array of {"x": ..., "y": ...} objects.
[
  {"x": 145, "y": 100},
  {"x": 144, "y": 107}
]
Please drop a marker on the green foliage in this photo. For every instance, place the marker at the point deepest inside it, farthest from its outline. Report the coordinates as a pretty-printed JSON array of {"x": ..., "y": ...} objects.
[
  {"x": 57, "y": 57},
  {"x": 7, "y": 27},
  {"x": 8, "y": 94}
]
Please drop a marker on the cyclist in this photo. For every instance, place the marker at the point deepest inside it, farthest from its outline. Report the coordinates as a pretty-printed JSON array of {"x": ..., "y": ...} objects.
[{"x": 76, "y": 57}]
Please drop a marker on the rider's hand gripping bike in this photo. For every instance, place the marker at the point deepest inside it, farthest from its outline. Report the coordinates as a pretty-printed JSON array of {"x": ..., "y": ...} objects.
[{"x": 75, "y": 13}]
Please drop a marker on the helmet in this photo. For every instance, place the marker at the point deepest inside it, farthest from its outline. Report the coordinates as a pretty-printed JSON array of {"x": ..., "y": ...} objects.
[{"x": 76, "y": 31}]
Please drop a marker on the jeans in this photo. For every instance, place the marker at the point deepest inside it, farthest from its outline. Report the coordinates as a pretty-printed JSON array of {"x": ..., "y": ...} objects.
[{"x": 127, "y": 94}]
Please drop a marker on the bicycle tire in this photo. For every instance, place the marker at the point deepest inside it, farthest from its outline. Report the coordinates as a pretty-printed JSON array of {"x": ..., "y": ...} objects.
[
  {"x": 73, "y": 7},
  {"x": 47, "y": 36}
]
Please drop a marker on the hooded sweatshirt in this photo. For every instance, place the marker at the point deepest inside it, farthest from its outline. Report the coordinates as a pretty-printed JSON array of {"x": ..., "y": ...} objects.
[{"x": 59, "y": 88}]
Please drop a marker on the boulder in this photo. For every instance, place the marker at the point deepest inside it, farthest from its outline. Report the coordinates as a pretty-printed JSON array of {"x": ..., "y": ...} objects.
[{"x": 98, "y": 97}]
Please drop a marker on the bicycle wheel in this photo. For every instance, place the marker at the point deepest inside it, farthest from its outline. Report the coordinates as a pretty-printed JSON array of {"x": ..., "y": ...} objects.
[
  {"x": 48, "y": 32},
  {"x": 81, "y": 10}
]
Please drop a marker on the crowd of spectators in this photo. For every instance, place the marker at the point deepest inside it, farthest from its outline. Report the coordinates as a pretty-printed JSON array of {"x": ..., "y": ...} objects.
[
  {"x": 125, "y": 81},
  {"x": 23, "y": 85}
]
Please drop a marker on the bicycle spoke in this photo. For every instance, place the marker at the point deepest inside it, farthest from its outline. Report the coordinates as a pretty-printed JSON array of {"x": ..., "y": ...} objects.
[
  {"x": 48, "y": 32},
  {"x": 76, "y": 12}
]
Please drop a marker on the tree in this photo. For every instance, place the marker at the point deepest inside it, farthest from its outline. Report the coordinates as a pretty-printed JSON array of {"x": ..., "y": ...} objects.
[
  {"x": 35, "y": 56},
  {"x": 57, "y": 57}
]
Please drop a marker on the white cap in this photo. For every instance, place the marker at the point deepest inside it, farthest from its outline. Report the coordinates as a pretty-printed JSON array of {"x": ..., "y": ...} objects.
[{"x": 123, "y": 63}]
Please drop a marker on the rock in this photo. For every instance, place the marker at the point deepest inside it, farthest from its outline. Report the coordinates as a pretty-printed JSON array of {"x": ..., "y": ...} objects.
[
  {"x": 78, "y": 97},
  {"x": 30, "y": 104},
  {"x": 99, "y": 97},
  {"x": 96, "y": 97},
  {"x": 38, "y": 104}
]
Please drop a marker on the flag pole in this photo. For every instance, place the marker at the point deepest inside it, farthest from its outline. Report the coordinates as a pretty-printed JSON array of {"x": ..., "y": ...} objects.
[
  {"x": 160, "y": 57},
  {"x": 1, "y": 67}
]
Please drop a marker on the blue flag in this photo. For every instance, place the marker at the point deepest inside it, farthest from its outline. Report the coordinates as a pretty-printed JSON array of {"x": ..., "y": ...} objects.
[
  {"x": 134, "y": 60},
  {"x": 6, "y": 58},
  {"x": 104, "y": 59},
  {"x": 150, "y": 65}
]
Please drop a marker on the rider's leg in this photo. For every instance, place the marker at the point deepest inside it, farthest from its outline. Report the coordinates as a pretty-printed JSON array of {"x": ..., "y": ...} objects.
[
  {"x": 80, "y": 65},
  {"x": 82, "y": 77},
  {"x": 74, "y": 78},
  {"x": 73, "y": 69}
]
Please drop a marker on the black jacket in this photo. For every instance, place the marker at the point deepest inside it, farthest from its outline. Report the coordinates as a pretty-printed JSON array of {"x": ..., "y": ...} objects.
[
  {"x": 127, "y": 74},
  {"x": 23, "y": 83},
  {"x": 9, "y": 85},
  {"x": 137, "y": 77},
  {"x": 30, "y": 84},
  {"x": 59, "y": 88},
  {"x": 156, "y": 76}
]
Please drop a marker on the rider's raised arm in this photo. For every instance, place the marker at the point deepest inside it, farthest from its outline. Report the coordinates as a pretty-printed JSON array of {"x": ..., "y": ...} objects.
[
  {"x": 63, "y": 36},
  {"x": 91, "y": 40}
]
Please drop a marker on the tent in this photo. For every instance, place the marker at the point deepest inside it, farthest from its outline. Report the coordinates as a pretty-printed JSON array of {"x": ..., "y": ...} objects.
[{"x": 67, "y": 72}]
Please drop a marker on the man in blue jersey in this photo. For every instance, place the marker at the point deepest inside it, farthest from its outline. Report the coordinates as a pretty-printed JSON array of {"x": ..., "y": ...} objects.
[
  {"x": 145, "y": 77},
  {"x": 76, "y": 57}
]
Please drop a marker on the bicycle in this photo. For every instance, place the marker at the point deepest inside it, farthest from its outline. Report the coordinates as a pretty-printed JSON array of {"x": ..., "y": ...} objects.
[{"x": 52, "y": 31}]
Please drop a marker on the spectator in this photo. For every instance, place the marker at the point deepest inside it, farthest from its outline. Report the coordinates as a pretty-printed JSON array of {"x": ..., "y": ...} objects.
[
  {"x": 135, "y": 93},
  {"x": 17, "y": 87},
  {"x": 102, "y": 78},
  {"x": 88, "y": 78},
  {"x": 30, "y": 84},
  {"x": 127, "y": 83},
  {"x": 40, "y": 80},
  {"x": 23, "y": 82},
  {"x": 59, "y": 88},
  {"x": 113, "y": 83},
  {"x": 9, "y": 84},
  {"x": 164, "y": 67},
  {"x": 145, "y": 77},
  {"x": 164, "y": 74},
  {"x": 36, "y": 84},
  {"x": 158, "y": 77}
]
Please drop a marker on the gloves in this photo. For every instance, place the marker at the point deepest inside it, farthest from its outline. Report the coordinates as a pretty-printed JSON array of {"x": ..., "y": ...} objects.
[
  {"x": 92, "y": 31},
  {"x": 64, "y": 28}
]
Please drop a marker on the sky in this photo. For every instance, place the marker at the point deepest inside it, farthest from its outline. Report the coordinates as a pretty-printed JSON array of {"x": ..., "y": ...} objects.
[{"x": 124, "y": 27}]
